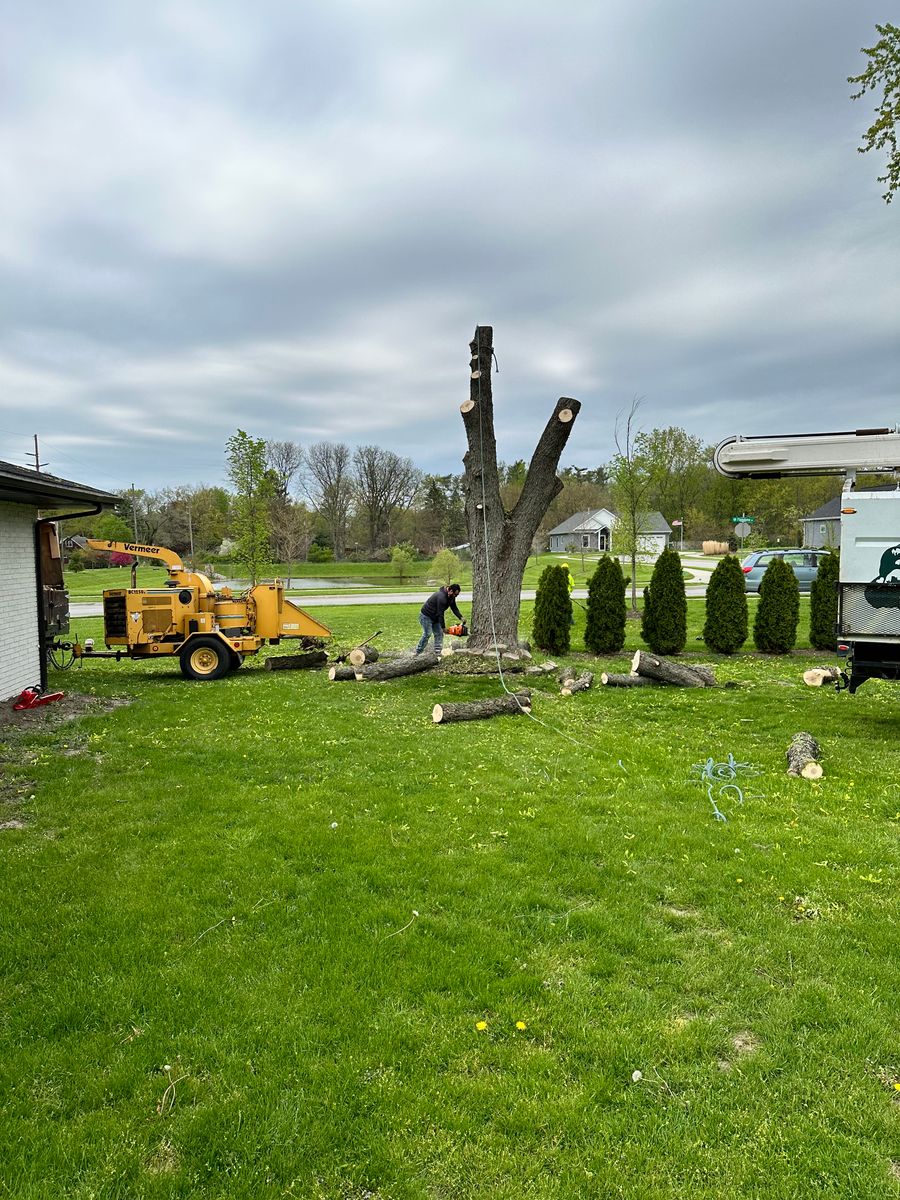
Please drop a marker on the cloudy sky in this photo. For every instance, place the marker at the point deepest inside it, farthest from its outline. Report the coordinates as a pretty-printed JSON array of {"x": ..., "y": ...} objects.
[{"x": 289, "y": 217}]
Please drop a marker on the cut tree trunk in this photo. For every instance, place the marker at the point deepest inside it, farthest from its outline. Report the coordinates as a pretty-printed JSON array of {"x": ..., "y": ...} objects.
[
  {"x": 651, "y": 666},
  {"x": 362, "y": 655},
  {"x": 338, "y": 673},
  {"x": 409, "y": 664},
  {"x": 566, "y": 675},
  {"x": 803, "y": 756},
  {"x": 581, "y": 684},
  {"x": 476, "y": 666},
  {"x": 501, "y": 541},
  {"x": 816, "y": 676},
  {"x": 308, "y": 661},
  {"x": 480, "y": 710},
  {"x": 611, "y": 680}
]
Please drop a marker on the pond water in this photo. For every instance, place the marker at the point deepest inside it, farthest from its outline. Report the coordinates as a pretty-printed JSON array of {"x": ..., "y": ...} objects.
[{"x": 307, "y": 583}]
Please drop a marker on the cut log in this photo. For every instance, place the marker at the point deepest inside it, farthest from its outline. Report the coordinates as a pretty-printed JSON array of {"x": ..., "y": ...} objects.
[
  {"x": 478, "y": 666},
  {"x": 566, "y": 675},
  {"x": 480, "y": 710},
  {"x": 803, "y": 756},
  {"x": 816, "y": 676},
  {"x": 362, "y": 655},
  {"x": 581, "y": 684},
  {"x": 341, "y": 672},
  {"x": 610, "y": 680},
  {"x": 308, "y": 661},
  {"x": 409, "y": 664},
  {"x": 666, "y": 671}
]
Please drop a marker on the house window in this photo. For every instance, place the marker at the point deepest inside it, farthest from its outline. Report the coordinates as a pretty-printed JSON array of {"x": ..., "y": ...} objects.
[{"x": 585, "y": 541}]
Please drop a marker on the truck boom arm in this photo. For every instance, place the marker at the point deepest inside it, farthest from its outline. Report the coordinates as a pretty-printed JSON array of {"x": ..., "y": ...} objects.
[
  {"x": 786, "y": 455},
  {"x": 169, "y": 557}
]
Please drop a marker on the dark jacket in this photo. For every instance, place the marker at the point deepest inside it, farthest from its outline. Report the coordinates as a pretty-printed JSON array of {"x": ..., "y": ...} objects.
[{"x": 437, "y": 604}]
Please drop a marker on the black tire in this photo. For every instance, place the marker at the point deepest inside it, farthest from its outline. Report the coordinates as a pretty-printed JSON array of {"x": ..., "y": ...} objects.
[
  {"x": 236, "y": 660},
  {"x": 205, "y": 659}
]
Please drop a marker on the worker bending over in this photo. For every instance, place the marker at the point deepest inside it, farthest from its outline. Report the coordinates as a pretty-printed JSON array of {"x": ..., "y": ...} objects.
[{"x": 431, "y": 616}]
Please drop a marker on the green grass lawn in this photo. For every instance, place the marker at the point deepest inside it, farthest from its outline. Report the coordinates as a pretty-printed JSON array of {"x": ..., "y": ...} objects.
[{"x": 278, "y": 937}]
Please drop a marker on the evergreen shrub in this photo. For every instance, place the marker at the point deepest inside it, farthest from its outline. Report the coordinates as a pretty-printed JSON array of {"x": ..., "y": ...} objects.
[
  {"x": 778, "y": 610},
  {"x": 664, "y": 621},
  {"x": 604, "y": 631},
  {"x": 552, "y": 611},
  {"x": 823, "y": 603},
  {"x": 727, "y": 624}
]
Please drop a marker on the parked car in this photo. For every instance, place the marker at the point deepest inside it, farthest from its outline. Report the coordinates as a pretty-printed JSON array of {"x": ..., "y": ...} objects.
[{"x": 804, "y": 564}]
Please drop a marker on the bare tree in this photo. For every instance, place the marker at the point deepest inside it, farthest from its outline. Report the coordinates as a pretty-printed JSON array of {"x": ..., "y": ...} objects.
[
  {"x": 385, "y": 483},
  {"x": 632, "y": 479},
  {"x": 284, "y": 460},
  {"x": 329, "y": 485},
  {"x": 500, "y": 540},
  {"x": 293, "y": 526}
]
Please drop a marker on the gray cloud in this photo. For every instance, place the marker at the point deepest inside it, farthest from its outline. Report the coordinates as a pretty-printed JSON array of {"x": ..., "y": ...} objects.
[{"x": 290, "y": 220}]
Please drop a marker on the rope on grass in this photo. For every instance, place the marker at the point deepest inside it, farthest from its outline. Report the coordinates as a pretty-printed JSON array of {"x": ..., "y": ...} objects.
[{"x": 719, "y": 779}]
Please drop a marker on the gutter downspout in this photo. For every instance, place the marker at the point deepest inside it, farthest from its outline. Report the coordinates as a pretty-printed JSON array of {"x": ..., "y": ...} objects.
[{"x": 42, "y": 633}]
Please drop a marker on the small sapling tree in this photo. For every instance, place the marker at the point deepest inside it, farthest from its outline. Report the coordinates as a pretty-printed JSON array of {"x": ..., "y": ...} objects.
[
  {"x": 552, "y": 611},
  {"x": 823, "y": 603},
  {"x": 727, "y": 624},
  {"x": 664, "y": 623},
  {"x": 778, "y": 611},
  {"x": 604, "y": 631},
  {"x": 253, "y": 491},
  {"x": 403, "y": 557},
  {"x": 445, "y": 566}
]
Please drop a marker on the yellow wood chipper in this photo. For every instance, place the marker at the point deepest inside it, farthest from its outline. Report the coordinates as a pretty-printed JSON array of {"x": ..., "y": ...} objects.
[{"x": 210, "y": 631}]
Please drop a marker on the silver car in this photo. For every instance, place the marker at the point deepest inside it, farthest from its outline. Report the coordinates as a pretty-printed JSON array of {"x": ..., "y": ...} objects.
[{"x": 804, "y": 564}]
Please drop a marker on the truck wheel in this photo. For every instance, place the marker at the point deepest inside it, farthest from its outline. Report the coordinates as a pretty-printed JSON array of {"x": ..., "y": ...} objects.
[
  {"x": 236, "y": 660},
  {"x": 205, "y": 658}
]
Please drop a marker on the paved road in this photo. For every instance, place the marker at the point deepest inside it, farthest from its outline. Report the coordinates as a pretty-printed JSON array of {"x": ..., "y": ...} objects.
[{"x": 96, "y": 610}]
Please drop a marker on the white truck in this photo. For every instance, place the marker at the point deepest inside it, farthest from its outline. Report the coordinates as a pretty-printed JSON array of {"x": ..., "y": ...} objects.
[{"x": 868, "y": 626}]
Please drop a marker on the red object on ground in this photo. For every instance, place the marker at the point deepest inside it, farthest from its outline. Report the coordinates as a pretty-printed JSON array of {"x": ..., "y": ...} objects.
[{"x": 33, "y": 697}]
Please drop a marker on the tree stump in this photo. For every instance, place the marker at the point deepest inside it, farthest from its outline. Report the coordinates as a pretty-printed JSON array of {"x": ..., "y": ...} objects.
[
  {"x": 803, "y": 756},
  {"x": 581, "y": 684},
  {"x": 475, "y": 666},
  {"x": 816, "y": 676},
  {"x": 480, "y": 710},
  {"x": 362, "y": 655},
  {"x": 652, "y": 666},
  {"x": 341, "y": 673},
  {"x": 409, "y": 664},
  {"x": 297, "y": 662}
]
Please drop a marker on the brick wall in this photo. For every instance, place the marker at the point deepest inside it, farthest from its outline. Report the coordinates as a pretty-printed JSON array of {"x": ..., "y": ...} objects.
[{"x": 19, "y": 657}]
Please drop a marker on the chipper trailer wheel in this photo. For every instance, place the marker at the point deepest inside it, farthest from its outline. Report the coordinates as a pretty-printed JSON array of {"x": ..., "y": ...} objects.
[{"x": 205, "y": 658}]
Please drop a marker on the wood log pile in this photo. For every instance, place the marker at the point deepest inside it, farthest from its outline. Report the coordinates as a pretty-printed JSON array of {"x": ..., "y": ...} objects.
[
  {"x": 803, "y": 756},
  {"x": 570, "y": 681}
]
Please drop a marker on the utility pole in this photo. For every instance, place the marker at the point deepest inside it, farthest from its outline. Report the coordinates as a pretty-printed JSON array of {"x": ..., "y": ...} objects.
[
  {"x": 36, "y": 455},
  {"x": 134, "y": 513}
]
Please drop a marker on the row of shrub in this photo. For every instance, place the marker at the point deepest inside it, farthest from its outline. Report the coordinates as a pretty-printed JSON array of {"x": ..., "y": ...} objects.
[{"x": 664, "y": 618}]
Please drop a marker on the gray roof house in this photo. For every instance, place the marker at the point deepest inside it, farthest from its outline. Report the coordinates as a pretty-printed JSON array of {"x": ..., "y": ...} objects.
[
  {"x": 822, "y": 528},
  {"x": 595, "y": 530},
  {"x": 33, "y": 603}
]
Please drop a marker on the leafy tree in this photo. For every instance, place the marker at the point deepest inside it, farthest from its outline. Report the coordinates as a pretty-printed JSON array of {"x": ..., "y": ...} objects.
[
  {"x": 402, "y": 559},
  {"x": 446, "y": 566},
  {"x": 727, "y": 624},
  {"x": 664, "y": 622},
  {"x": 552, "y": 625},
  {"x": 253, "y": 492},
  {"x": 778, "y": 610},
  {"x": 112, "y": 528},
  {"x": 681, "y": 469},
  {"x": 604, "y": 631},
  {"x": 823, "y": 603},
  {"x": 883, "y": 74}
]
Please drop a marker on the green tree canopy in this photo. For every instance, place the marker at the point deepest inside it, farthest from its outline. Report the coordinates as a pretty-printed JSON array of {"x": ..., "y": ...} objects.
[{"x": 882, "y": 74}]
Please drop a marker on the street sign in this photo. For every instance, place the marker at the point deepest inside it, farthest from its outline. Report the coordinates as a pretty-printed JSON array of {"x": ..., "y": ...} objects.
[
  {"x": 676, "y": 522},
  {"x": 734, "y": 520},
  {"x": 742, "y": 529}
]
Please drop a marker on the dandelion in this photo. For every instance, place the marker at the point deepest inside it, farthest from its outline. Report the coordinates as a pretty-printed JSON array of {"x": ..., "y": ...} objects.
[
  {"x": 739, "y": 880},
  {"x": 897, "y": 1087},
  {"x": 637, "y": 1076},
  {"x": 521, "y": 1025},
  {"x": 481, "y": 1025}
]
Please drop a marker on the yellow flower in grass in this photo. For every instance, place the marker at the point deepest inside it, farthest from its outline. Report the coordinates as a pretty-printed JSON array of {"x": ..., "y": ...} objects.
[
  {"x": 481, "y": 1025},
  {"x": 521, "y": 1025}
]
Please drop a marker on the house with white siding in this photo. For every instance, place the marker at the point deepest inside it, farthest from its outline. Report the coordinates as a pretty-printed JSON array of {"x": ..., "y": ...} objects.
[
  {"x": 32, "y": 601},
  {"x": 595, "y": 530}
]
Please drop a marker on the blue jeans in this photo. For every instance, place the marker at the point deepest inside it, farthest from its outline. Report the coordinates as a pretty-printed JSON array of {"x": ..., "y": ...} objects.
[{"x": 430, "y": 628}]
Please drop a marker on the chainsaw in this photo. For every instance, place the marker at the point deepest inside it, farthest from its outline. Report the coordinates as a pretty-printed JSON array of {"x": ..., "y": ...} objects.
[
  {"x": 35, "y": 697},
  {"x": 460, "y": 630}
]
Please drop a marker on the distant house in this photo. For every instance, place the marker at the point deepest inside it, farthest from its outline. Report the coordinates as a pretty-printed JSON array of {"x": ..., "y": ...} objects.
[
  {"x": 595, "y": 530},
  {"x": 822, "y": 528},
  {"x": 32, "y": 602}
]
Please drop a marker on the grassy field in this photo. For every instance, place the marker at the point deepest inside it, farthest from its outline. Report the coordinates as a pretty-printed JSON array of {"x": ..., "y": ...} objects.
[
  {"x": 90, "y": 584},
  {"x": 278, "y": 937}
]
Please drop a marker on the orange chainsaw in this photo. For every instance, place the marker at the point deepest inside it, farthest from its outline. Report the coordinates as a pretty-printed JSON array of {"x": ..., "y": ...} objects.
[{"x": 460, "y": 630}]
